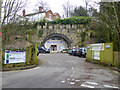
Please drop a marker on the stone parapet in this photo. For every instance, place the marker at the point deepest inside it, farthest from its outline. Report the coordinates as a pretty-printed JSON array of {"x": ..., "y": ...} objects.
[
  {"x": 71, "y": 31},
  {"x": 60, "y": 26}
]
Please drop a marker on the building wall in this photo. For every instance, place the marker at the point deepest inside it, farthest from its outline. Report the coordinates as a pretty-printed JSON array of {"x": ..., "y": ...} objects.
[
  {"x": 57, "y": 16},
  {"x": 61, "y": 44},
  {"x": 36, "y": 17},
  {"x": 53, "y": 16},
  {"x": 47, "y": 15}
]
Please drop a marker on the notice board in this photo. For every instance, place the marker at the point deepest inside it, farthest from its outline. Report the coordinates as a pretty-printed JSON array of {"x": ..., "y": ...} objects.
[
  {"x": 14, "y": 57},
  {"x": 96, "y": 50}
]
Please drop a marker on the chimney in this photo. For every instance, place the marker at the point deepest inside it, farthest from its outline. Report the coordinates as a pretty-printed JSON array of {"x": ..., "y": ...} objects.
[
  {"x": 24, "y": 12},
  {"x": 40, "y": 9}
]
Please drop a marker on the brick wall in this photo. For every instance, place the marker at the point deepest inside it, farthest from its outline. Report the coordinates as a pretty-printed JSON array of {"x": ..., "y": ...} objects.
[
  {"x": 53, "y": 17},
  {"x": 56, "y": 15},
  {"x": 49, "y": 12}
]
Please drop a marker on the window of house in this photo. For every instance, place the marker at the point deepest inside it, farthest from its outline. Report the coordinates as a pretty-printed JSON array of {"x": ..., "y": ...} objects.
[
  {"x": 56, "y": 17},
  {"x": 49, "y": 16}
]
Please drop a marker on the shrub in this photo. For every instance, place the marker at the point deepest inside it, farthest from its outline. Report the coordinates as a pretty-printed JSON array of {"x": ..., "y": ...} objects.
[{"x": 72, "y": 20}]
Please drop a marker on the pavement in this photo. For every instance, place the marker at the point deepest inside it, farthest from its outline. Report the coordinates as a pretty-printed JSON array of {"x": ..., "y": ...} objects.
[{"x": 61, "y": 70}]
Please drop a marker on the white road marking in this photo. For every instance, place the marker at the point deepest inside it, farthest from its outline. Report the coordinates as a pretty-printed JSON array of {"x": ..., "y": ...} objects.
[
  {"x": 72, "y": 82},
  {"x": 63, "y": 81},
  {"x": 11, "y": 71},
  {"x": 31, "y": 69},
  {"x": 22, "y": 70},
  {"x": 92, "y": 83},
  {"x": 110, "y": 86},
  {"x": 36, "y": 68},
  {"x": 77, "y": 80},
  {"x": 43, "y": 54},
  {"x": 83, "y": 85}
]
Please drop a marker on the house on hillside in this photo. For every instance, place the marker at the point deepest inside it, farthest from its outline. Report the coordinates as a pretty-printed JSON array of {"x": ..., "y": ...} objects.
[{"x": 40, "y": 15}]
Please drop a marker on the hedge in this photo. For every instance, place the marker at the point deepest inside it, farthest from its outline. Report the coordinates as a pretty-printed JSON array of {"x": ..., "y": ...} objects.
[{"x": 72, "y": 20}]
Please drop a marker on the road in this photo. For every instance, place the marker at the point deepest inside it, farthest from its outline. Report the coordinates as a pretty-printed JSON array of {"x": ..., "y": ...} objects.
[{"x": 60, "y": 70}]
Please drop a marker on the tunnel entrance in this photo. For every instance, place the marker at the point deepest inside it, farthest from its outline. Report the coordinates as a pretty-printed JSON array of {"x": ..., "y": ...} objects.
[
  {"x": 56, "y": 42},
  {"x": 53, "y": 48}
]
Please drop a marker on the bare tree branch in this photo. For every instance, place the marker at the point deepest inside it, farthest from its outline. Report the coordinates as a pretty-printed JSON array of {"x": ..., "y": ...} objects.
[
  {"x": 42, "y": 4},
  {"x": 11, "y": 8},
  {"x": 67, "y": 8}
]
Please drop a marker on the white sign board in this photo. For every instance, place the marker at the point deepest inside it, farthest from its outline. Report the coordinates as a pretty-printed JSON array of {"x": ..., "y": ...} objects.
[
  {"x": 55, "y": 42},
  {"x": 97, "y": 47},
  {"x": 96, "y": 50},
  {"x": 14, "y": 57}
]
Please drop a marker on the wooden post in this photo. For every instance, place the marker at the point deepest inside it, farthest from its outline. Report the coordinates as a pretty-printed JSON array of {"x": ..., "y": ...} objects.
[
  {"x": 119, "y": 58},
  {"x": 35, "y": 54}
]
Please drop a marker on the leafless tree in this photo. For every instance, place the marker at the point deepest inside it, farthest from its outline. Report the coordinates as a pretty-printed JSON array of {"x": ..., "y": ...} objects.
[
  {"x": 86, "y": 2},
  {"x": 10, "y": 9},
  {"x": 67, "y": 8},
  {"x": 42, "y": 4},
  {"x": 0, "y": 11},
  {"x": 91, "y": 4}
]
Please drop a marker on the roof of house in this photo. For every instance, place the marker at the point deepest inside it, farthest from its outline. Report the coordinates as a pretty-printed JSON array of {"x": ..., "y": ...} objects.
[
  {"x": 53, "y": 13},
  {"x": 31, "y": 14}
]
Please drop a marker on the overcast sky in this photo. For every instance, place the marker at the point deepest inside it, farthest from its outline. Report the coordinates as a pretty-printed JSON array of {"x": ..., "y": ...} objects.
[{"x": 55, "y": 5}]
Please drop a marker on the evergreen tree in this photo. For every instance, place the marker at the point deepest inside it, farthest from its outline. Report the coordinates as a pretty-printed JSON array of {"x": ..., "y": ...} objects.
[{"x": 79, "y": 11}]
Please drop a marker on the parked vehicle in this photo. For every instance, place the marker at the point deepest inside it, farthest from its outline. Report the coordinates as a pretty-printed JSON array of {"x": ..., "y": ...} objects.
[
  {"x": 43, "y": 50},
  {"x": 47, "y": 50},
  {"x": 82, "y": 52},
  {"x": 65, "y": 50},
  {"x": 75, "y": 51},
  {"x": 37, "y": 52},
  {"x": 70, "y": 52}
]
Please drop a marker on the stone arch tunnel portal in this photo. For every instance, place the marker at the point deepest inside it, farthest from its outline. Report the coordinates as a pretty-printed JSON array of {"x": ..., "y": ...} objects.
[{"x": 56, "y": 42}]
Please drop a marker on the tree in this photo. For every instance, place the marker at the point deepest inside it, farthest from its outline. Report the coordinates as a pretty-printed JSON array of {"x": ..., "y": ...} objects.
[
  {"x": 67, "y": 9},
  {"x": 109, "y": 16},
  {"x": 87, "y": 3},
  {"x": 91, "y": 7},
  {"x": 42, "y": 4},
  {"x": 92, "y": 12},
  {"x": 10, "y": 10},
  {"x": 79, "y": 11},
  {"x": 0, "y": 10}
]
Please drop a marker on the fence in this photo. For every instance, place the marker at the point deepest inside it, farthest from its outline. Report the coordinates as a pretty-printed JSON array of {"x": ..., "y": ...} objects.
[
  {"x": 103, "y": 53},
  {"x": 116, "y": 58},
  {"x": 30, "y": 58}
]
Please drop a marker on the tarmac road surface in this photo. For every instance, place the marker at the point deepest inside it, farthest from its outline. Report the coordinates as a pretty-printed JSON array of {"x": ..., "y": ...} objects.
[{"x": 60, "y": 70}]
